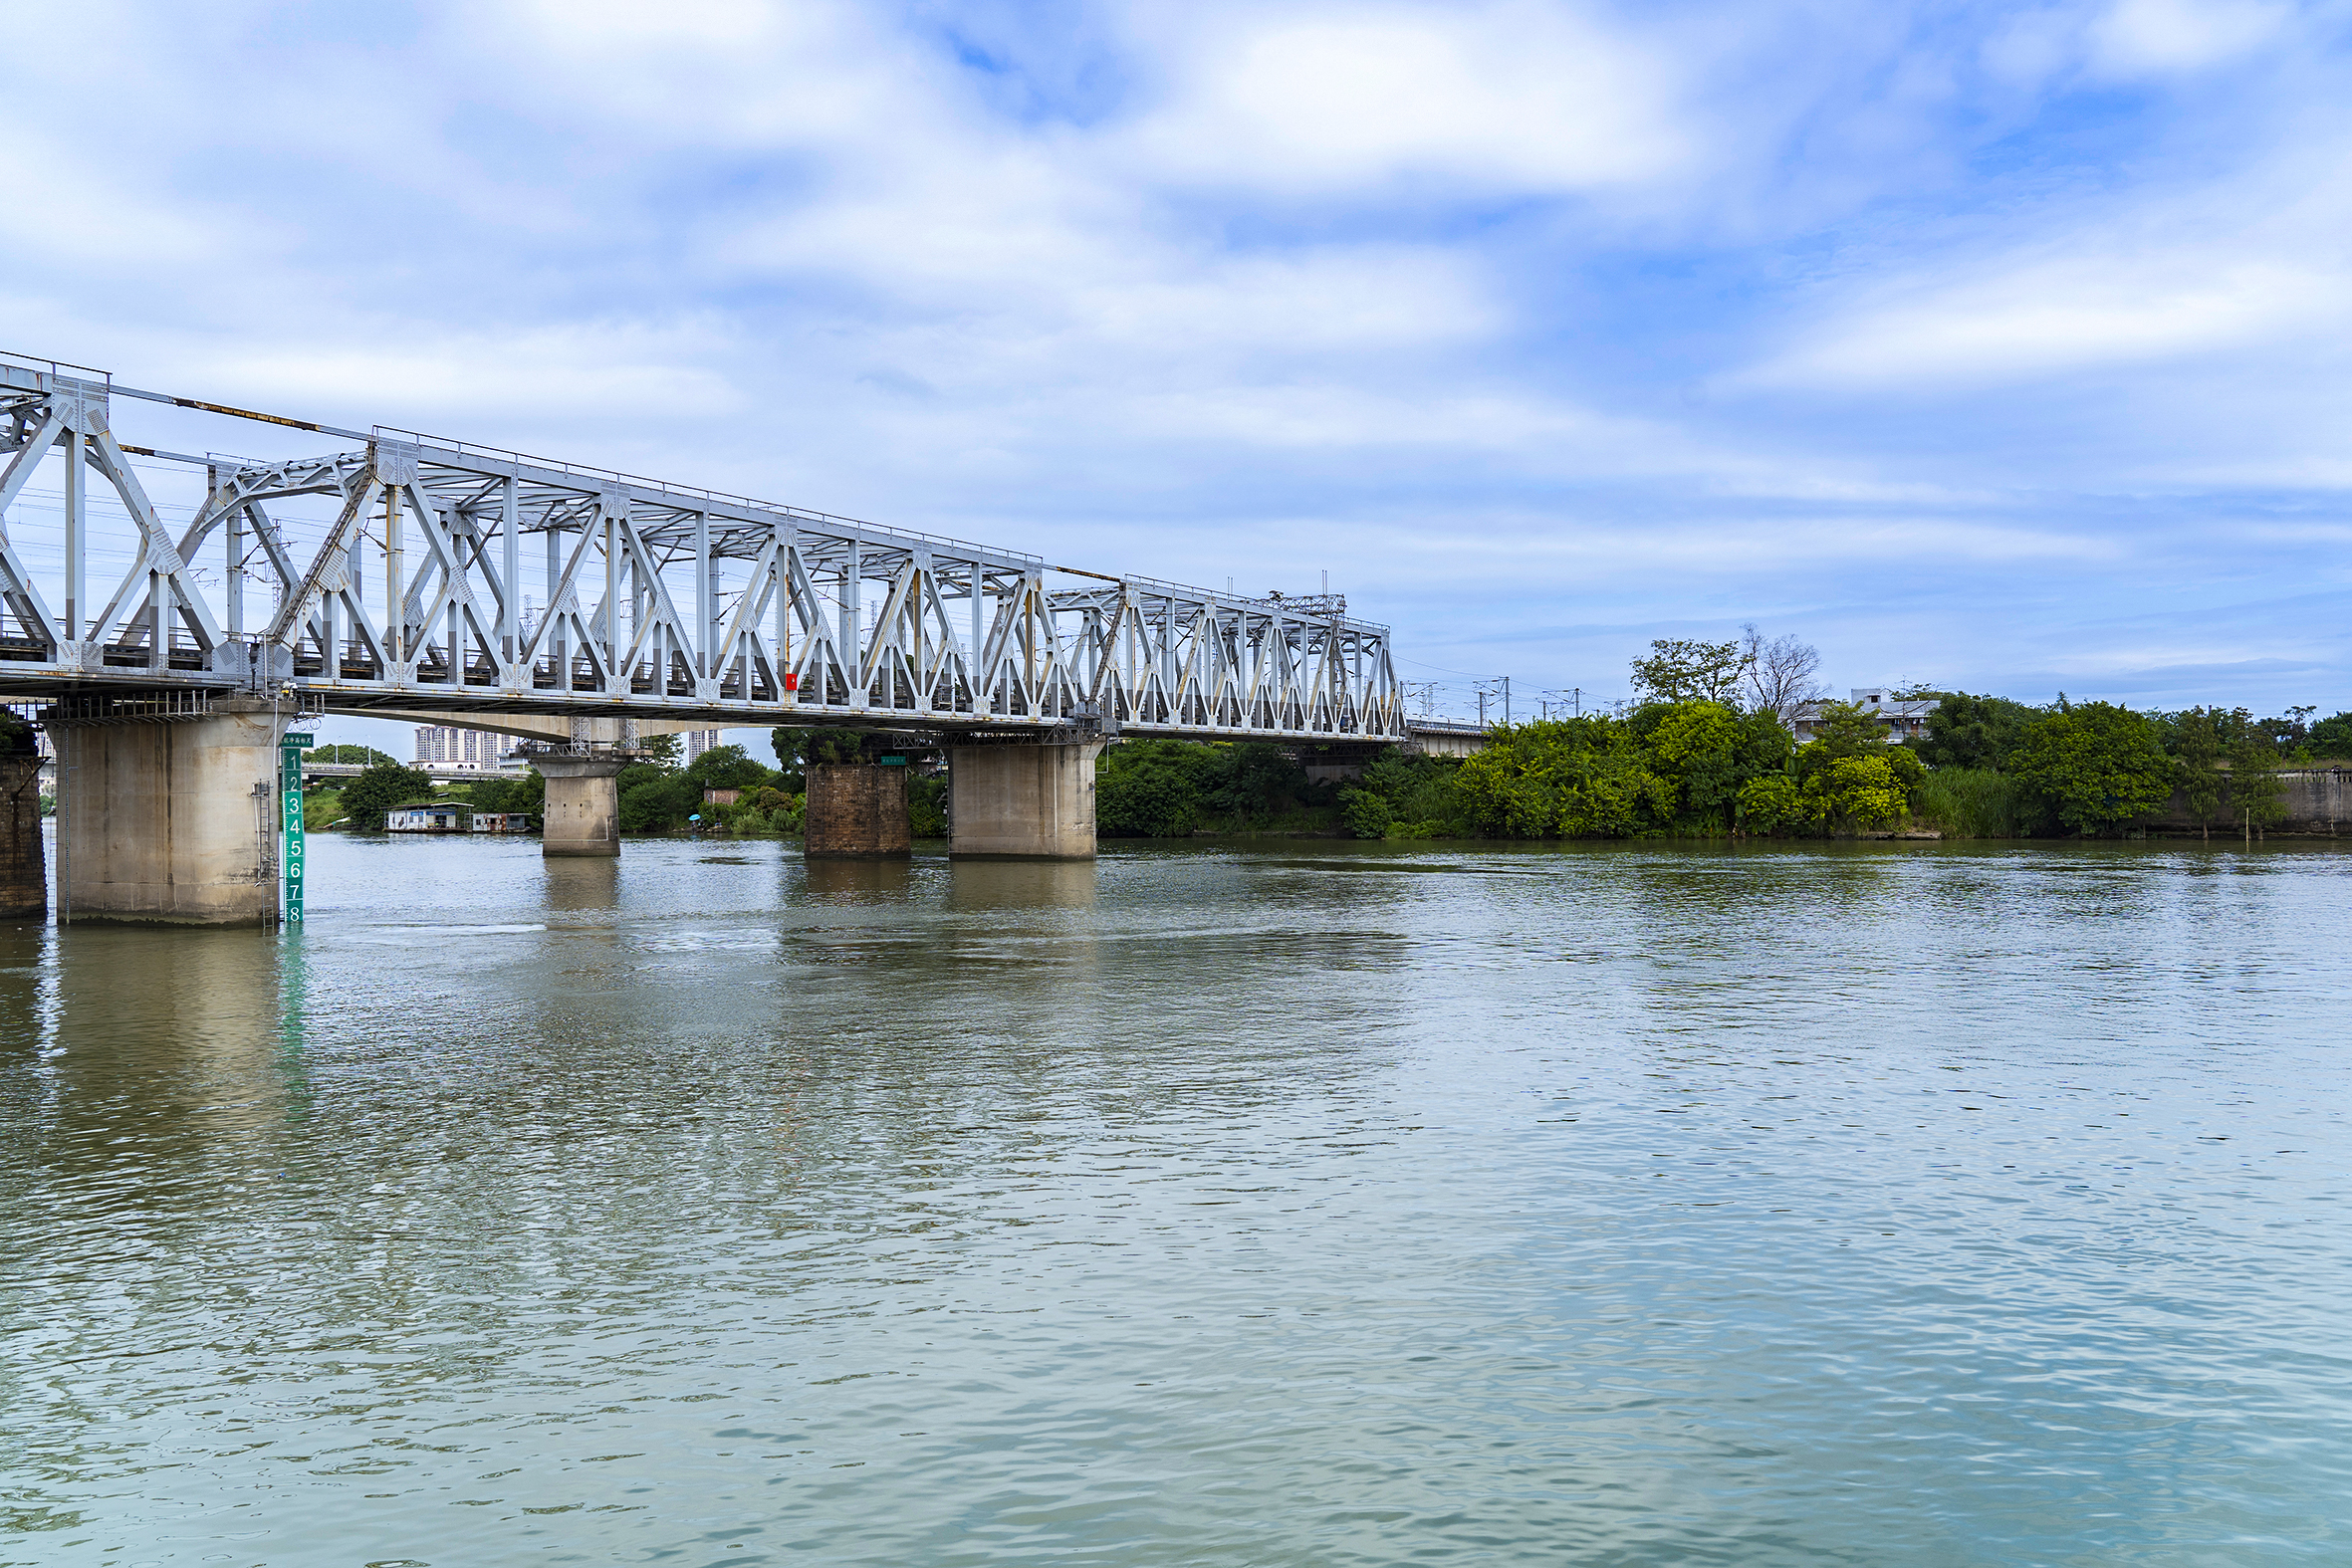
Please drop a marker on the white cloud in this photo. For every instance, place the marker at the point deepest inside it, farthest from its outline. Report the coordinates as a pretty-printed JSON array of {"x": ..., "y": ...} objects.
[
  {"x": 2032, "y": 318},
  {"x": 1482, "y": 99},
  {"x": 2143, "y": 37},
  {"x": 2253, "y": 261}
]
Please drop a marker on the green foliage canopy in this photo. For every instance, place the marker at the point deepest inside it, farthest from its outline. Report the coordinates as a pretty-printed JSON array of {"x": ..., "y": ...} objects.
[
  {"x": 383, "y": 785},
  {"x": 2331, "y": 737},
  {"x": 1679, "y": 671},
  {"x": 1974, "y": 731},
  {"x": 726, "y": 768},
  {"x": 1171, "y": 788},
  {"x": 2093, "y": 766},
  {"x": 362, "y": 756}
]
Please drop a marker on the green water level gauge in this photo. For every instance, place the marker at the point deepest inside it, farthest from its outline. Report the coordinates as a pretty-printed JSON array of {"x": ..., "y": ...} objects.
[{"x": 290, "y": 750}]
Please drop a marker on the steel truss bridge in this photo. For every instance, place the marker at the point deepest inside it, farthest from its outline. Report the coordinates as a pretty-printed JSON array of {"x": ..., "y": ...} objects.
[{"x": 653, "y": 601}]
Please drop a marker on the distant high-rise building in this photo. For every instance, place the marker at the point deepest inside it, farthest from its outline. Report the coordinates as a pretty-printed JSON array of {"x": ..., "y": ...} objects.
[
  {"x": 699, "y": 742},
  {"x": 437, "y": 742}
]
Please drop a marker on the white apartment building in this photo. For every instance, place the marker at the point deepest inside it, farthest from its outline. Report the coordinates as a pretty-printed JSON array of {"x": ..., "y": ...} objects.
[
  {"x": 1905, "y": 721},
  {"x": 454, "y": 748},
  {"x": 699, "y": 742}
]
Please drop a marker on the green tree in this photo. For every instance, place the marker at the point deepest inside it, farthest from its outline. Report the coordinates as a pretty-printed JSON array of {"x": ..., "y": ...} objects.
[
  {"x": 1770, "y": 803},
  {"x": 1974, "y": 731},
  {"x": 662, "y": 751},
  {"x": 797, "y": 747},
  {"x": 2331, "y": 737},
  {"x": 383, "y": 785},
  {"x": 726, "y": 768},
  {"x": 1151, "y": 788},
  {"x": 360, "y": 756},
  {"x": 2255, "y": 792},
  {"x": 2200, "y": 744},
  {"x": 1255, "y": 780},
  {"x": 1366, "y": 812},
  {"x": 1678, "y": 670},
  {"x": 526, "y": 794},
  {"x": 1708, "y": 751},
  {"x": 926, "y": 805},
  {"x": 1842, "y": 728},
  {"x": 1584, "y": 776},
  {"x": 654, "y": 802},
  {"x": 1845, "y": 795},
  {"x": 2093, "y": 767},
  {"x": 1419, "y": 791}
]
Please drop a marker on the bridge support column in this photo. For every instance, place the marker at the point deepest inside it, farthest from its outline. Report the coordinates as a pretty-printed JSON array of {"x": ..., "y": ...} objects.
[
  {"x": 171, "y": 820},
  {"x": 583, "y": 812},
  {"x": 24, "y": 871},
  {"x": 1022, "y": 803},
  {"x": 857, "y": 812}
]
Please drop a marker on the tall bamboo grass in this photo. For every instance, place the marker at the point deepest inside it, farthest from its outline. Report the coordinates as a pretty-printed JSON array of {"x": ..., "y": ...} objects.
[{"x": 1968, "y": 802}]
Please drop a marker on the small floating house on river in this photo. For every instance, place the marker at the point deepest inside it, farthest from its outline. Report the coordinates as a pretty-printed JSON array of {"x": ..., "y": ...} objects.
[{"x": 427, "y": 816}]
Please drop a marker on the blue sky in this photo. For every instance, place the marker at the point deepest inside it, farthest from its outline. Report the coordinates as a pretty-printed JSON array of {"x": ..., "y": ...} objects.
[{"x": 1997, "y": 346}]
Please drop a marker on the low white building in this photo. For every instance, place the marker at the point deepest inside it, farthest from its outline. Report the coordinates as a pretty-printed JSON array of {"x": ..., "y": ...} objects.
[
  {"x": 1905, "y": 719},
  {"x": 426, "y": 817}
]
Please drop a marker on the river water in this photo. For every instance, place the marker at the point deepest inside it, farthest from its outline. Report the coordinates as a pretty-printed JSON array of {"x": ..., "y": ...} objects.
[{"x": 1297, "y": 1205}]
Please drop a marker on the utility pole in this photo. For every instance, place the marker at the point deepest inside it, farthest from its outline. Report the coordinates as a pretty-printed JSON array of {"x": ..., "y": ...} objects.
[{"x": 1507, "y": 698}]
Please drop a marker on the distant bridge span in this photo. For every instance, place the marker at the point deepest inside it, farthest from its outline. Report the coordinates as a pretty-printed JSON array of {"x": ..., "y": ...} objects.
[{"x": 653, "y": 601}]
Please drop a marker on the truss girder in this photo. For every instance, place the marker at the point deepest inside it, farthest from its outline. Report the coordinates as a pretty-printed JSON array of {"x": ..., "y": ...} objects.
[{"x": 443, "y": 574}]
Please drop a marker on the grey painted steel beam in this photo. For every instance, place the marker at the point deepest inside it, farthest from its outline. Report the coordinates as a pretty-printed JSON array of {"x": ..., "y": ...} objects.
[{"x": 659, "y": 601}]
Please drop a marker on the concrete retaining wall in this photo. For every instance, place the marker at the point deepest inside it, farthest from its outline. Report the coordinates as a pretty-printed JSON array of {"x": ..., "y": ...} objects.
[{"x": 2317, "y": 800}]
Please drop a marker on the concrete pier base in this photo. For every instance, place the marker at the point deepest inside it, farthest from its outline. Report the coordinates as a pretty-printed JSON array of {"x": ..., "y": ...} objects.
[
  {"x": 857, "y": 812},
  {"x": 24, "y": 868},
  {"x": 1022, "y": 803},
  {"x": 172, "y": 821},
  {"x": 583, "y": 812}
]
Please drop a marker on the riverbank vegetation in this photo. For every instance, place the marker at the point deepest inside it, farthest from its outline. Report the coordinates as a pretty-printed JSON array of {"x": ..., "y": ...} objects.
[{"x": 1711, "y": 750}]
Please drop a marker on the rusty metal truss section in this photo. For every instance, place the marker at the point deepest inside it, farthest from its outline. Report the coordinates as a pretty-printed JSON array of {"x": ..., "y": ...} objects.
[{"x": 456, "y": 578}]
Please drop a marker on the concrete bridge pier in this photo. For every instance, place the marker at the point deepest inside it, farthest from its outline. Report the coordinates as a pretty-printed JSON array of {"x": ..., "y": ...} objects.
[
  {"x": 167, "y": 814},
  {"x": 24, "y": 869},
  {"x": 856, "y": 811},
  {"x": 1022, "y": 803},
  {"x": 582, "y": 813}
]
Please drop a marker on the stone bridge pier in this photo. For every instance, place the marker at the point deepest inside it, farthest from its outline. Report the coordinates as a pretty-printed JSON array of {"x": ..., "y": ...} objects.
[
  {"x": 24, "y": 871},
  {"x": 856, "y": 811},
  {"x": 167, "y": 808}
]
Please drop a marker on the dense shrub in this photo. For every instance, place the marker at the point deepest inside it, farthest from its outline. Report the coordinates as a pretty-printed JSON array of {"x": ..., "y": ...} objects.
[
  {"x": 1152, "y": 788},
  {"x": 1366, "y": 812}
]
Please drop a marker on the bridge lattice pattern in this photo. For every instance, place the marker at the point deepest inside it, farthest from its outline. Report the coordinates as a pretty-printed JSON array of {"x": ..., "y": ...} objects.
[{"x": 652, "y": 600}]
